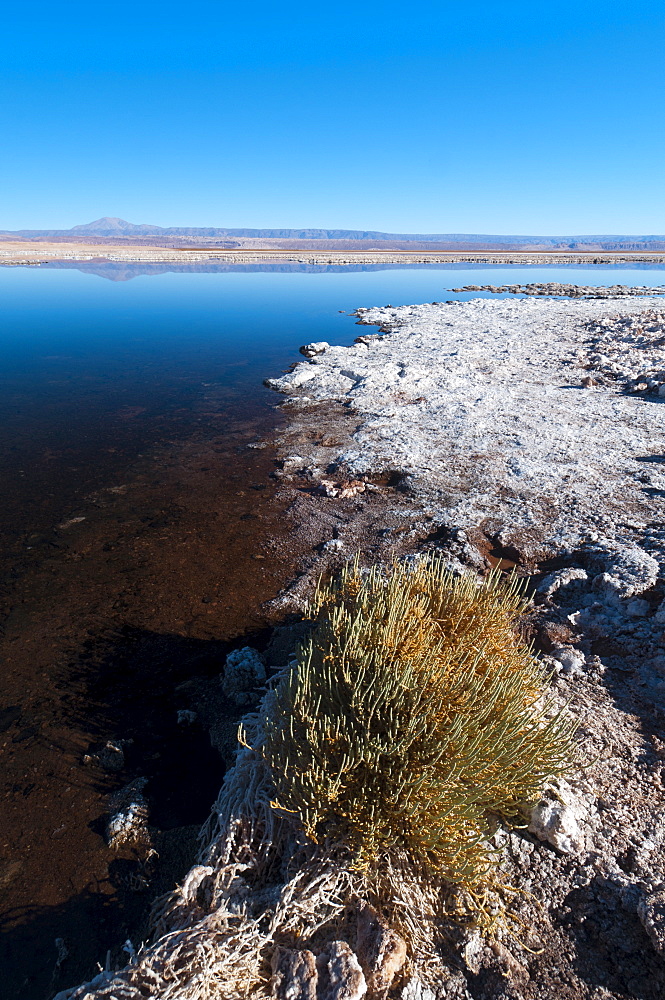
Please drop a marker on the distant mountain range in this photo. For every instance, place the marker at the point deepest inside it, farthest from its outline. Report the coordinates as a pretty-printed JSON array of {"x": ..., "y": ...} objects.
[{"x": 119, "y": 230}]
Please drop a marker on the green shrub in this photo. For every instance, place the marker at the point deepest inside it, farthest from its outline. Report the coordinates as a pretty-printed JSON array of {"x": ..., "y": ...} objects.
[{"x": 413, "y": 717}]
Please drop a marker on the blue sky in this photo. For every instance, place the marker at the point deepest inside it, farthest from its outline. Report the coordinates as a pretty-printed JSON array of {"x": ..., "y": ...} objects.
[{"x": 495, "y": 117}]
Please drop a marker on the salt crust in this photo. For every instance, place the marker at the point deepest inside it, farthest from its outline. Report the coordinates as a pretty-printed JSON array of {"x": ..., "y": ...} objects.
[{"x": 480, "y": 407}]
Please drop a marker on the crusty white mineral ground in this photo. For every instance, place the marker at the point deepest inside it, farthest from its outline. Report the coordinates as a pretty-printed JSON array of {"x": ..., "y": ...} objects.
[{"x": 539, "y": 413}]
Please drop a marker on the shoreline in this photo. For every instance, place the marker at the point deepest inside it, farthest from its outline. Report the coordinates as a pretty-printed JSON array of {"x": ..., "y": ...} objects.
[
  {"x": 17, "y": 253},
  {"x": 463, "y": 402},
  {"x": 470, "y": 430}
]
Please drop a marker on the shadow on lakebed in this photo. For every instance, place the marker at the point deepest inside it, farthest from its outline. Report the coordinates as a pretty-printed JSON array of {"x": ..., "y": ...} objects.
[{"x": 130, "y": 688}]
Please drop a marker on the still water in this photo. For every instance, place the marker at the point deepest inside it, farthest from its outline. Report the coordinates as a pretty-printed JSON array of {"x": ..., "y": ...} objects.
[{"x": 132, "y": 520}]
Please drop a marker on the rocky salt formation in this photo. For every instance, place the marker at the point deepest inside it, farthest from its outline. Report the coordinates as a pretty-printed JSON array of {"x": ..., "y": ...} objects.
[
  {"x": 483, "y": 411},
  {"x": 572, "y": 291},
  {"x": 243, "y": 674}
]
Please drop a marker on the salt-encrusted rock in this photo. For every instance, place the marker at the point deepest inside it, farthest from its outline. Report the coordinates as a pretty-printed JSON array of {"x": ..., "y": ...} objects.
[
  {"x": 340, "y": 974},
  {"x": 128, "y": 822},
  {"x": 622, "y": 572},
  {"x": 193, "y": 880},
  {"x": 185, "y": 717},
  {"x": 557, "y": 818},
  {"x": 293, "y": 462},
  {"x": 651, "y": 911},
  {"x": 381, "y": 951},
  {"x": 334, "y": 545},
  {"x": 472, "y": 951},
  {"x": 414, "y": 990},
  {"x": 303, "y": 373},
  {"x": 572, "y": 660},
  {"x": 294, "y": 974},
  {"x": 560, "y": 578},
  {"x": 342, "y": 489},
  {"x": 638, "y": 608},
  {"x": 243, "y": 674},
  {"x": 311, "y": 350}
]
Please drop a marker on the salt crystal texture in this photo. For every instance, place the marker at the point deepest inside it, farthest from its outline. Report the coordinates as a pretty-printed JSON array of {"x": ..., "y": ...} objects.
[{"x": 480, "y": 406}]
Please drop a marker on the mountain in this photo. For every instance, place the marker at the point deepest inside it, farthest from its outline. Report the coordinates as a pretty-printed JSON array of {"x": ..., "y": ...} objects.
[
  {"x": 114, "y": 227},
  {"x": 118, "y": 229}
]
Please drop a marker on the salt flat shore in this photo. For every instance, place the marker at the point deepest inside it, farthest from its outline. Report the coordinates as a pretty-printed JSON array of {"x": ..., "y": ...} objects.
[
  {"x": 528, "y": 434},
  {"x": 549, "y": 415},
  {"x": 15, "y": 252}
]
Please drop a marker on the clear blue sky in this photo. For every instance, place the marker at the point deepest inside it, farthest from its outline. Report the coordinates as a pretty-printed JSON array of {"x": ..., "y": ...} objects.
[{"x": 498, "y": 116}]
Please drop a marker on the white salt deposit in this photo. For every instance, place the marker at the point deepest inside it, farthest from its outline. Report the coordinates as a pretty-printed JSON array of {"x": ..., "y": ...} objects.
[{"x": 481, "y": 406}]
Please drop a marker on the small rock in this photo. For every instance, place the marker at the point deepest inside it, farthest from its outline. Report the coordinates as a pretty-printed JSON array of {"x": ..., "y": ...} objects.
[
  {"x": 301, "y": 374},
  {"x": 554, "y": 635},
  {"x": 556, "y": 819},
  {"x": 344, "y": 489},
  {"x": 340, "y": 974},
  {"x": 186, "y": 717},
  {"x": 294, "y": 975},
  {"x": 560, "y": 578},
  {"x": 334, "y": 545},
  {"x": 111, "y": 757},
  {"x": 381, "y": 950},
  {"x": 638, "y": 608},
  {"x": 651, "y": 911},
  {"x": 622, "y": 571},
  {"x": 414, "y": 990},
  {"x": 311, "y": 350},
  {"x": 514, "y": 968},
  {"x": 572, "y": 660},
  {"x": 293, "y": 462},
  {"x": 69, "y": 523},
  {"x": 128, "y": 823},
  {"x": 472, "y": 952},
  {"x": 243, "y": 674},
  {"x": 62, "y": 950}
]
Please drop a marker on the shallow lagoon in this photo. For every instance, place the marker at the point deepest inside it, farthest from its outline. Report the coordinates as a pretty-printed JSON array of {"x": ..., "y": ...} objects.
[{"x": 78, "y": 343}]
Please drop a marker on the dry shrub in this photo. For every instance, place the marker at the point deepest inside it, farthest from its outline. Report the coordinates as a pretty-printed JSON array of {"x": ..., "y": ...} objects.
[
  {"x": 414, "y": 714},
  {"x": 414, "y": 717}
]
